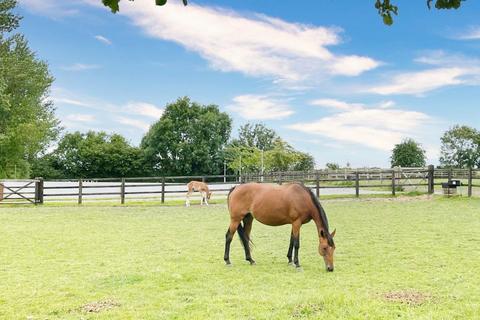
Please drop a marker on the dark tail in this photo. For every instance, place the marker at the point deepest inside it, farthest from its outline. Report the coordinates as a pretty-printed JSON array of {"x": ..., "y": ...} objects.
[
  {"x": 229, "y": 192},
  {"x": 243, "y": 237}
]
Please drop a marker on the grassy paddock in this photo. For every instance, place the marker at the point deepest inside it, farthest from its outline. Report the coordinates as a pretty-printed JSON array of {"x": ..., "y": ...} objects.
[{"x": 395, "y": 259}]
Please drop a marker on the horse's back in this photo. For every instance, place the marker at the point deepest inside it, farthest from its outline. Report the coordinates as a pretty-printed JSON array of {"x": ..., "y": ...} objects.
[{"x": 270, "y": 204}]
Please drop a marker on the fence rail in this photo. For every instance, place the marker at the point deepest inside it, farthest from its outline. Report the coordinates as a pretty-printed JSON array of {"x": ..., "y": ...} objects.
[{"x": 353, "y": 182}]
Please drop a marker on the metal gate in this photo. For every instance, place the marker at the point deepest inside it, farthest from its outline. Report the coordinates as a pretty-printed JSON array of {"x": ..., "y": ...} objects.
[{"x": 21, "y": 192}]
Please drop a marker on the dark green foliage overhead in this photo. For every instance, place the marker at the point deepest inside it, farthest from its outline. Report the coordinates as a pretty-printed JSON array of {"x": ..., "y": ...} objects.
[
  {"x": 385, "y": 8},
  {"x": 460, "y": 147},
  {"x": 91, "y": 155},
  {"x": 188, "y": 139},
  {"x": 408, "y": 154},
  {"x": 27, "y": 120}
]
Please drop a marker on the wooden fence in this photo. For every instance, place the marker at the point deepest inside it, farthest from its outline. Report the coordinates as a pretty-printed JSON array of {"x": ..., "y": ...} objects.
[{"x": 353, "y": 182}]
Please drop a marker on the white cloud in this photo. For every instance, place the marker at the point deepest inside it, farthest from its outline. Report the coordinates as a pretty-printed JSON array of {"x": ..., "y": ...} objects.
[
  {"x": 253, "y": 44},
  {"x": 336, "y": 104},
  {"x": 103, "y": 39},
  {"x": 445, "y": 70},
  {"x": 144, "y": 109},
  {"x": 78, "y": 117},
  {"x": 81, "y": 67},
  {"x": 258, "y": 107},
  {"x": 69, "y": 101},
  {"x": 133, "y": 123},
  {"x": 51, "y": 8},
  {"x": 471, "y": 34},
  {"x": 374, "y": 127}
]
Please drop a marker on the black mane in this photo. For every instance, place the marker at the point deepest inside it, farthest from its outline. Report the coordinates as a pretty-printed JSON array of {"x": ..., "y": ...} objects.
[{"x": 321, "y": 213}]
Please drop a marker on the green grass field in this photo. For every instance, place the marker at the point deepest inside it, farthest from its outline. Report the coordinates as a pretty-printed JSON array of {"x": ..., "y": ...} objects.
[{"x": 394, "y": 260}]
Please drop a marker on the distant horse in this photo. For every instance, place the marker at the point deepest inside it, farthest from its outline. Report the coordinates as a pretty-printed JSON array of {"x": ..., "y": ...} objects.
[
  {"x": 200, "y": 187},
  {"x": 275, "y": 205}
]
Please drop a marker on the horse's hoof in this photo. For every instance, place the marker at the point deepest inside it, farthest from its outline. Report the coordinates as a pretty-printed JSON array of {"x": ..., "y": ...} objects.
[
  {"x": 291, "y": 264},
  {"x": 299, "y": 269},
  {"x": 252, "y": 263},
  {"x": 228, "y": 264}
]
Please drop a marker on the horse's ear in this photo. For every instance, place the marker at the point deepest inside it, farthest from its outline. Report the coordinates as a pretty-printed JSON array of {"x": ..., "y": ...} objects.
[{"x": 333, "y": 233}]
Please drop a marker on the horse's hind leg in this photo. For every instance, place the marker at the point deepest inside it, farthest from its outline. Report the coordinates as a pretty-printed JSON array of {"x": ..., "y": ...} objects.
[
  {"x": 290, "y": 249},
  {"x": 244, "y": 233},
  {"x": 228, "y": 239}
]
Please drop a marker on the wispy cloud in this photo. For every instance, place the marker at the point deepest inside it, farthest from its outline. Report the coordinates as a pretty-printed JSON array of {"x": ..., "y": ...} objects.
[
  {"x": 81, "y": 67},
  {"x": 51, "y": 8},
  {"x": 253, "y": 44},
  {"x": 142, "y": 125},
  {"x": 445, "y": 70},
  {"x": 374, "y": 127},
  {"x": 473, "y": 33},
  {"x": 144, "y": 109},
  {"x": 79, "y": 117},
  {"x": 103, "y": 39},
  {"x": 260, "y": 107}
]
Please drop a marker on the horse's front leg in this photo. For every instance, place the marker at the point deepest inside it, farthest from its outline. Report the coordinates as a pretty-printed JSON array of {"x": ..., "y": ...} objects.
[
  {"x": 202, "y": 194},
  {"x": 187, "y": 201}
]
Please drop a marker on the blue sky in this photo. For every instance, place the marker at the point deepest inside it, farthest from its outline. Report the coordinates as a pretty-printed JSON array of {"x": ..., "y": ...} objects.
[{"x": 328, "y": 76}]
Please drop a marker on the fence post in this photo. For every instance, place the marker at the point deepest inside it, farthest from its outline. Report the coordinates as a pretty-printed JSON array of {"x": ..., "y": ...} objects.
[
  {"x": 39, "y": 191},
  {"x": 450, "y": 175},
  {"x": 357, "y": 184},
  {"x": 1, "y": 191},
  {"x": 393, "y": 182},
  {"x": 163, "y": 189},
  {"x": 431, "y": 179},
  {"x": 470, "y": 179},
  {"x": 122, "y": 191},
  {"x": 80, "y": 191},
  {"x": 317, "y": 186},
  {"x": 280, "y": 177}
]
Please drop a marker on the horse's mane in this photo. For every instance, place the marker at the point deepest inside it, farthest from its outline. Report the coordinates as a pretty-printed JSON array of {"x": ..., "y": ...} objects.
[{"x": 321, "y": 213}]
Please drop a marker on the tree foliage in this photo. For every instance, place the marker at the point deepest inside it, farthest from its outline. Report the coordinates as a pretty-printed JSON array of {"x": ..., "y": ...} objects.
[
  {"x": 91, "y": 155},
  {"x": 332, "y": 166},
  {"x": 460, "y": 147},
  {"x": 258, "y": 144},
  {"x": 188, "y": 139},
  {"x": 386, "y": 9},
  {"x": 27, "y": 120},
  {"x": 408, "y": 153}
]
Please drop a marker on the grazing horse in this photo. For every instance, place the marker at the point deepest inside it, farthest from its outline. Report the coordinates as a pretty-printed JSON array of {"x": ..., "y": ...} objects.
[
  {"x": 275, "y": 205},
  {"x": 200, "y": 187}
]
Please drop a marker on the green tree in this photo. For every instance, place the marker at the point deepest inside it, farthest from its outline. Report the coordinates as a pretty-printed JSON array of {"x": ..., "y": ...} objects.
[
  {"x": 256, "y": 136},
  {"x": 189, "y": 139},
  {"x": 332, "y": 166},
  {"x": 92, "y": 155},
  {"x": 283, "y": 157},
  {"x": 27, "y": 121},
  {"x": 385, "y": 8},
  {"x": 460, "y": 147},
  {"x": 408, "y": 153},
  {"x": 243, "y": 158}
]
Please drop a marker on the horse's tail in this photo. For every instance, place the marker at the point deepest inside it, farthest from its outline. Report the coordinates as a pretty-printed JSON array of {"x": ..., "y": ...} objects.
[
  {"x": 246, "y": 242},
  {"x": 321, "y": 212},
  {"x": 228, "y": 196}
]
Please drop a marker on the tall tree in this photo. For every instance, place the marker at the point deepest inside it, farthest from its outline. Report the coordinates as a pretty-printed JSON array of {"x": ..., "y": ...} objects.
[
  {"x": 408, "y": 153},
  {"x": 256, "y": 136},
  {"x": 460, "y": 147},
  {"x": 92, "y": 155},
  {"x": 27, "y": 120},
  {"x": 385, "y": 7},
  {"x": 189, "y": 139}
]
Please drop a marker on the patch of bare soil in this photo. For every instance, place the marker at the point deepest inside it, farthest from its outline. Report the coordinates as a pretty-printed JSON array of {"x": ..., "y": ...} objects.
[
  {"x": 411, "y": 298},
  {"x": 99, "y": 306}
]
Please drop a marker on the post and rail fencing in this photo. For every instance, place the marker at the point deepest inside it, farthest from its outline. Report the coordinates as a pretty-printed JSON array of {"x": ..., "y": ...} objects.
[{"x": 335, "y": 183}]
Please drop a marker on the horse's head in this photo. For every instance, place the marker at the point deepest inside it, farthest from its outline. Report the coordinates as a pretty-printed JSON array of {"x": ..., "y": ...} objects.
[
  {"x": 209, "y": 194},
  {"x": 326, "y": 248}
]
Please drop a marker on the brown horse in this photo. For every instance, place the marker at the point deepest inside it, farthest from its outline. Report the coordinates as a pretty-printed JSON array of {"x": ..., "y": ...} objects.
[
  {"x": 275, "y": 205},
  {"x": 201, "y": 187}
]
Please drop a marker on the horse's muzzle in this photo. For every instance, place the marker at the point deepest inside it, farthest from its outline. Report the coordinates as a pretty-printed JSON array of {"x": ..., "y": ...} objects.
[{"x": 330, "y": 269}]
